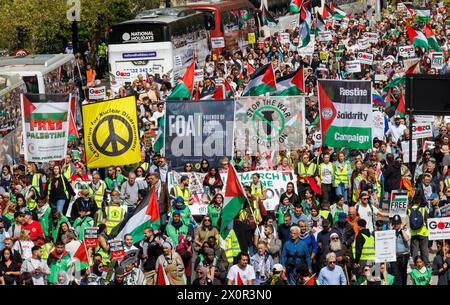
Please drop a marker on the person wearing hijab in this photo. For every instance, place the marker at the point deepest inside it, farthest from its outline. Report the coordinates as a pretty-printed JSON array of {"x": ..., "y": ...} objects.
[
  {"x": 202, "y": 277},
  {"x": 170, "y": 257},
  {"x": 63, "y": 278},
  {"x": 172, "y": 275}
]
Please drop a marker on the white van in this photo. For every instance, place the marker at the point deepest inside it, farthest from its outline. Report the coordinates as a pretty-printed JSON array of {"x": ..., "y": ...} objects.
[{"x": 43, "y": 73}]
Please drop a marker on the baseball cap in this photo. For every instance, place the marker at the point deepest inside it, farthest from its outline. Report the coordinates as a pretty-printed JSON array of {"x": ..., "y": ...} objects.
[
  {"x": 278, "y": 268},
  {"x": 176, "y": 213}
]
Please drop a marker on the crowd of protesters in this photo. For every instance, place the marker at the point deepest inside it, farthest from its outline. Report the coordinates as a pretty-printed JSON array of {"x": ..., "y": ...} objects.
[{"x": 325, "y": 239}]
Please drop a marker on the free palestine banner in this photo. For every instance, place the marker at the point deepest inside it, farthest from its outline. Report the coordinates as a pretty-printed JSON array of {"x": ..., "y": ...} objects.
[
  {"x": 346, "y": 113},
  {"x": 45, "y": 126}
]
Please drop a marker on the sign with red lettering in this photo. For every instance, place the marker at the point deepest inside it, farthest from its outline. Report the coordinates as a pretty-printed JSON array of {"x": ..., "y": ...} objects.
[
  {"x": 45, "y": 126},
  {"x": 90, "y": 237},
  {"x": 97, "y": 93},
  {"x": 116, "y": 250},
  {"x": 438, "y": 228}
]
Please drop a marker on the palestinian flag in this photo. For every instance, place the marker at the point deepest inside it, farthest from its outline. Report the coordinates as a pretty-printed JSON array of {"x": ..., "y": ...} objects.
[
  {"x": 394, "y": 83},
  {"x": 305, "y": 30},
  {"x": 337, "y": 13},
  {"x": 266, "y": 16},
  {"x": 219, "y": 94},
  {"x": 162, "y": 279},
  {"x": 146, "y": 215},
  {"x": 81, "y": 257},
  {"x": 261, "y": 82},
  {"x": 245, "y": 14},
  {"x": 35, "y": 109},
  {"x": 159, "y": 140},
  {"x": 233, "y": 201},
  {"x": 417, "y": 38},
  {"x": 292, "y": 84},
  {"x": 183, "y": 90},
  {"x": 73, "y": 132},
  {"x": 320, "y": 24},
  {"x": 311, "y": 281},
  {"x": 345, "y": 109},
  {"x": 304, "y": 10},
  {"x": 432, "y": 42},
  {"x": 295, "y": 6},
  {"x": 401, "y": 104},
  {"x": 229, "y": 91},
  {"x": 422, "y": 15}
]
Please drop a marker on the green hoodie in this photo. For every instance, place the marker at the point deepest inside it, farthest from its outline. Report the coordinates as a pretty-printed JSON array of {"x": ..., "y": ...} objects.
[
  {"x": 173, "y": 232},
  {"x": 56, "y": 264},
  {"x": 82, "y": 223}
]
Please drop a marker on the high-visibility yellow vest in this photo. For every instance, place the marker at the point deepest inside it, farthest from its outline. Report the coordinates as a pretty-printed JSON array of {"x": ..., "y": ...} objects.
[
  {"x": 447, "y": 182},
  {"x": 46, "y": 250},
  {"x": 103, "y": 254},
  {"x": 64, "y": 185},
  {"x": 232, "y": 247},
  {"x": 368, "y": 250},
  {"x": 424, "y": 230},
  {"x": 322, "y": 170},
  {"x": 305, "y": 172},
  {"x": 324, "y": 213},
  {"x": 257, "y": 192},
  {"x": 342, "y": 176},
  {"x": 35, "y": 183},
  {"x": 186, "y": 193},
  {"x": 114, "y": 215},
  {"x": 355, "y": 190},
  {"x": 67, "y": 172},
  {"x": 243, "y": 214},
  {"x": 99, "y": 194}
]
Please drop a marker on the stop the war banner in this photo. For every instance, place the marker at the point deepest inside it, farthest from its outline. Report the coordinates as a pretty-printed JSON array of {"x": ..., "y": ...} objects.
[
  {"x": 45, "y": 126},
  {"x": 195, "y": 130},
  {"x": 274, "y": 183},
  {"x": 346, "y": 113},
  {"x": 265, "y": 124}
]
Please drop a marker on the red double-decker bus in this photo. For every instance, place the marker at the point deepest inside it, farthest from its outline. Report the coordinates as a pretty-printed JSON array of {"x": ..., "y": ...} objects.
[{"x": 232, "y": 20}]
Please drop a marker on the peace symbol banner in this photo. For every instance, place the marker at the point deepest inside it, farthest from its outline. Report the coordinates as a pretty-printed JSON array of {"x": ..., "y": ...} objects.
[
  {"x": 265, "y": 124},
  {"x": 45, "y": 126},
  {"x": 111, "y": 135}
]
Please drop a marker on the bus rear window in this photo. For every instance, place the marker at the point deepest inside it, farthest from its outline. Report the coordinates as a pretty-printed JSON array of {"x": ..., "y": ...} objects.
[{"x": 138, "y": 33}]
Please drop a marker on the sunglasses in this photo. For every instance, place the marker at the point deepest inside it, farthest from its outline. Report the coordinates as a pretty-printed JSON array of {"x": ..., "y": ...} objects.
[
  {"x": 365, "y": 198},
  {"x": 332, "y": 262},
  {"x": 186, "y": 165},
  {"x": 335, "y": 238}
]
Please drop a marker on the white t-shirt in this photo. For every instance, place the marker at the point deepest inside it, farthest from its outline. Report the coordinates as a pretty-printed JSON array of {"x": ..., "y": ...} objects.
[
  {"x": 366, "y": 214},
  {"x": 245, "y": 274},
  {"x": 24, "y": 248},
  {"x": 326, "y": 178},
  {"x": 395, "y": 131}
]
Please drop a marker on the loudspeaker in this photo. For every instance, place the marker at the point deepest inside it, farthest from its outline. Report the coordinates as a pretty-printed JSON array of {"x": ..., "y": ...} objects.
[{"x": 428, "y": 94}]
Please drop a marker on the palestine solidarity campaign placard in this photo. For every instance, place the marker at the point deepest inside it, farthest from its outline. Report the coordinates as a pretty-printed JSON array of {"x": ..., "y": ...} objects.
[{"x": 346, "y": 113}]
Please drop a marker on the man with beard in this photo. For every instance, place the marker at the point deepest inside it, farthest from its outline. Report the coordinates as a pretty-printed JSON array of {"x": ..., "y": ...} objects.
[
  {"x": 337, "y": 247},
  {"x": 345, "y": 229}
]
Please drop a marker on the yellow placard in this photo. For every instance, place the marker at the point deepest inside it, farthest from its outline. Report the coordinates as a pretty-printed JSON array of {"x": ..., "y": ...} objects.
[
  {"x": 324, "y": 56},
  {"x": 251, "y": 38},
  {"x": 111, "y": 134}
]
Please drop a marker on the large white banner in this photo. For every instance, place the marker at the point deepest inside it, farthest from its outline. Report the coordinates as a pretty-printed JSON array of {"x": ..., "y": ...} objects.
[
  {"x": 45, "y": 121},
  {"x": 274, "y": 184},
  {"x": 267, "y": 124}
]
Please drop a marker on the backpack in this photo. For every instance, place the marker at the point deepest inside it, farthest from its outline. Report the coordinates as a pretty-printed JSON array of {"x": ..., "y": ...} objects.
[{"x": 416, "y": 220}]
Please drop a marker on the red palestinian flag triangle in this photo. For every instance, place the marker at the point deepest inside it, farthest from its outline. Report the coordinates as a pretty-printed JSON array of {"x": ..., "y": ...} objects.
[
  {"x": 327, "y": 110},
  {"x": 28, "y": 107},
  {"x": 233, "y": 201},
  {"x": 162, "y": 278},
  {"x": 239, "y": 279},
  {"x": 183, "y": 90},
  {"x": 311, "y": 281},
  {"x": 73, "y": 132},
  {"x": 401, "y": 103},
  {"x": 82, "y": 254}
]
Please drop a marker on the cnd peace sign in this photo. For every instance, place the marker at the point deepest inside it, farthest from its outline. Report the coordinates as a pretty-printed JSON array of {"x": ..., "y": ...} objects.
[{"x": 114, "y": 140}]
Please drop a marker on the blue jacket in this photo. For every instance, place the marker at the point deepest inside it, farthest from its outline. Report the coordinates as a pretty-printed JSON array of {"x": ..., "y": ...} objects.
[
  {"x": 295, "y": 254},
  {"x": 311, "y": 243}
]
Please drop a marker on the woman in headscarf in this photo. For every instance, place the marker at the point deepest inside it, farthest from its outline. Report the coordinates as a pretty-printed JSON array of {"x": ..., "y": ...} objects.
[
  {"x": 314, "y": 221},
  {"x": 213, "y": 181},
  {"x": 204, "y": 166},
  {"x": 202, "y": 277},
  {"x": 172, "y": 275},
  {"x": 63, "y": 278},
  {"x": 170, "y": 257}
]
